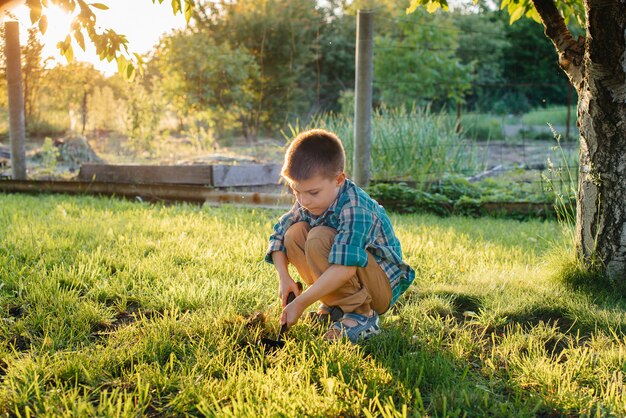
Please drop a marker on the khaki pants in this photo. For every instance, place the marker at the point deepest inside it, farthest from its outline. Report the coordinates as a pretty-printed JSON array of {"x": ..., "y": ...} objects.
[{"x": 308, "y": 249}]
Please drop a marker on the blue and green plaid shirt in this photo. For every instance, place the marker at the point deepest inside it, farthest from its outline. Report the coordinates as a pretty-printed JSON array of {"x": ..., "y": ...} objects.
[{"x": 362, "y": 225}]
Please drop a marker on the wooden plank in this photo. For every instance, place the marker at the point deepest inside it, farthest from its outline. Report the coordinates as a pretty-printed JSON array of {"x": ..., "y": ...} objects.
[
  {"x": 150, "y": 192},
  {"x": 146, "y": 174},
  {"x": 245, "y": 175}
]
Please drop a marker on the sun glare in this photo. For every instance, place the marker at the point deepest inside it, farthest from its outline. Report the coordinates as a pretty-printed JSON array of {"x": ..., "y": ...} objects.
[
  {"x": 141, "y": 23},
  {"x": 59, "y": 24}
]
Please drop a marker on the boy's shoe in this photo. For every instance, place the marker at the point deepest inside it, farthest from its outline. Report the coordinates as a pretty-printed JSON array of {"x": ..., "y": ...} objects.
[
  {"x": 365, "y": 328},
  {"x": 326, "y": 314}
]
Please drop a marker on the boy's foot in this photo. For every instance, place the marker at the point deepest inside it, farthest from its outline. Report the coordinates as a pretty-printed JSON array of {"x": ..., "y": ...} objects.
[
  {"x": 355, "y": 326},
  {"x": 326, "y": 314}
]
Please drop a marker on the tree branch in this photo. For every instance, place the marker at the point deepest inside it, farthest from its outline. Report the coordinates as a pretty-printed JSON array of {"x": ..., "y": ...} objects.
[{"x": 570, "y": 51}]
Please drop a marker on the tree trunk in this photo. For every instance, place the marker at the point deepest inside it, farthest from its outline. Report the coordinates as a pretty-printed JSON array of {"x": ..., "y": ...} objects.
[{"x": 601, "y": 202}]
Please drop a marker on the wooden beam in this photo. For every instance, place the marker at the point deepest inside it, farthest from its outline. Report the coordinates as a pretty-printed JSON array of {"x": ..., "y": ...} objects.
[
  {"x": 218, "y": 175},
  {"x": 150, "y": 192},
  {"x": 146, "y": 174},
  {"x": 245, "y": 175}
]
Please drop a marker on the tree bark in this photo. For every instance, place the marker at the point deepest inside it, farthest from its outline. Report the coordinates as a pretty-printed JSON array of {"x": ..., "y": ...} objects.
[
  {"x": 597, "y": 69},
  {"x": 601, "y": 202}
]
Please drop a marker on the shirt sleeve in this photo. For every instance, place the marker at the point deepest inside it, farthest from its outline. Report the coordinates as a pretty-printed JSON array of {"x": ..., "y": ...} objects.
[
  {"x": 277, "y": 239},
  {"x": 353, "y": 237}
]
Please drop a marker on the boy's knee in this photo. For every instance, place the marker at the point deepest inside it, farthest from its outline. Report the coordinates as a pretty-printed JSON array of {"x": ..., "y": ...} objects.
[
  {"x": 296, "y": 234},
  {"x": 320, "y": 238}
]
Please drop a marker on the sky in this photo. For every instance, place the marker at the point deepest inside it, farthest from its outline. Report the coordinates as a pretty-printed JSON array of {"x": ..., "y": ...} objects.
[{"x": 141, "y": 21}]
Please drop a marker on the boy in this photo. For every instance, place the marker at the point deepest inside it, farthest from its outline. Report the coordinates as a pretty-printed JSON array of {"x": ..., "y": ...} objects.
[{"x": 340, "y": 241}]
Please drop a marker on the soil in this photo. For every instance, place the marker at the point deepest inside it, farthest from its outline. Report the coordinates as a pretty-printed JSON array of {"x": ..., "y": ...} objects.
[{"x": 532, "y": 154}]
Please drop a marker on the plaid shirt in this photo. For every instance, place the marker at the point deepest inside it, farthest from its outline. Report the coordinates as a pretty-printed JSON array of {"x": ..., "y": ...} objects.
[{"x": 362, "y": 225}]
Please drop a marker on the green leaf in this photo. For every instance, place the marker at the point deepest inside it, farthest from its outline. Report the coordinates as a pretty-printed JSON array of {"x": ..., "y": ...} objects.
[
  {"x": 130, "y": 71},
  {"x": 432, "y": 6},
  {"x": 122, "y": 62},
  {"x": 176, "y": 6},
  {"x": 78, "y": 35},
  {"x": 43, "y": 24},
  {"x": 100, "y": 6},
  {"x": 516, "y": 13},
  {"x": 534, "y": 15},
  {"x": 413, "y": 6},
  {"x": 188, "y": 10},
  {"x": 69, "y": 53}
]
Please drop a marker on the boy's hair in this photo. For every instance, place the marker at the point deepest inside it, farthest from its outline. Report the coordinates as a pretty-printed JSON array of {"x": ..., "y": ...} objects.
[{"x": 311, "y": 153}]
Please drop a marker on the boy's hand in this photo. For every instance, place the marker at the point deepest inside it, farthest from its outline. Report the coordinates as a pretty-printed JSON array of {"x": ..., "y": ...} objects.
[
  {"x": 291, "y": 313},
  {"x": 288, "y": 285}
]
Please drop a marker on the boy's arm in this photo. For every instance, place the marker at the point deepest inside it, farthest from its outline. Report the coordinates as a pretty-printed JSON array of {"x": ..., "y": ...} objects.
[
  {"x": 276, "y": 241},
  {"x": 332, "y": 279},
  {"x": 287, "y": 284}
]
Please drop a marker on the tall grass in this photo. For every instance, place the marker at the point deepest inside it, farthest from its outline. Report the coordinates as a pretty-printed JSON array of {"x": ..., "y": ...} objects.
[
  {"x": 414, "y": 144},
  {"x": 113, "y": 308},
  {"x": 482, "y": 127},
  {"x": 561, "y": 181},
  {"x": 555, "y": 115}
]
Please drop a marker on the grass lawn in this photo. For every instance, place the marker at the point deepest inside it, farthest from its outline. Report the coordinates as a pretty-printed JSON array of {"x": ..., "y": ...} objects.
[{"x": 113, "y": 308}]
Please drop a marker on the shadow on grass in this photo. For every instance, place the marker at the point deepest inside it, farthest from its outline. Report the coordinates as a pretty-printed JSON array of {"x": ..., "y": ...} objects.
[
  {"x": 595, "y": 283},
  {"x": 442, "y": 384}
]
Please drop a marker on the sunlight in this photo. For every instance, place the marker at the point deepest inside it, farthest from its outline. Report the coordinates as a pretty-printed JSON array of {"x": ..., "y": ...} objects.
[
  {"x": 59, "y": 24},
  {"x": 141, "y": 23}
]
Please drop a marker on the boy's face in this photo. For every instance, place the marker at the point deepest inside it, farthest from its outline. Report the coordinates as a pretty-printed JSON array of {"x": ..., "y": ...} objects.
[{"x": 317, "y": 193}]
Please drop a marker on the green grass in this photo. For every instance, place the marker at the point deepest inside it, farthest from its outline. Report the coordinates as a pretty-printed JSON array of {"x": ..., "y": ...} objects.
[
  {"x": 113, "y": 308},
  {"x": 555, "y": 115},
  {"x": 415, "y": 144},
  {"x": 481, "y": 126}
]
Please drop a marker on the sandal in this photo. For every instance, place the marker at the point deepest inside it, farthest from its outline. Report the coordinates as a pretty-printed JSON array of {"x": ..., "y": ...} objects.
[
  {"x": 326, "y": 314},
  {"x": 365, "y": 328}
]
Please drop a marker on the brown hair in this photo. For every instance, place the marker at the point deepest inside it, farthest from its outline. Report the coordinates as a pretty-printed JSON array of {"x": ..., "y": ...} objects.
[{"x": 311, "y": 153}]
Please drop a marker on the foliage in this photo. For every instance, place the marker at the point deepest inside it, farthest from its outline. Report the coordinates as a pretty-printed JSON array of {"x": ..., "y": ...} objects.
[
  {"x": 481, "y": 43},
  {"x": 334, "y": 57},
  {"x": 108, "y": 43},
  {"x": 198, "y": 74},
  {"x": 32, "y": 73},
  {"x": 531, "y": 68},
  {"x": 416, "y": 63},
  {"x": 49, "y": 156},
  {"x": 281, "y": 35},
  {"x": 104, "y": 110},
  {"x": 457, "y": 196},
  {"x": 113, "y": 308},
  {"x": 66, "y": 88},
  {"x": 398, "y": 197}
]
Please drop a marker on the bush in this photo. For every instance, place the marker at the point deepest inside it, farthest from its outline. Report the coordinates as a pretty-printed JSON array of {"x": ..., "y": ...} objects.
[
  {"x": 401, "y": 198},
  {"x": 457, "y": 196}
]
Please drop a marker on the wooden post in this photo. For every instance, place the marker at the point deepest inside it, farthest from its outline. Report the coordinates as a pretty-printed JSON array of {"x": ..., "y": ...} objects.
[
  {"x": 17, "y": 129},
  {"x": 363, "y": 96}
]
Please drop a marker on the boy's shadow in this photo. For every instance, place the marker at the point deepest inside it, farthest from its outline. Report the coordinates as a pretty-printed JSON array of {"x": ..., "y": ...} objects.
[{"x": 426, "y": 363}]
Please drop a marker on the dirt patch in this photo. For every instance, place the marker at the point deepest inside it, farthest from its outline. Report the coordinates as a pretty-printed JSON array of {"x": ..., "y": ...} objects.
[
  {"x": 532, "y": 154},
  {"x": 74, "y": 151}
]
